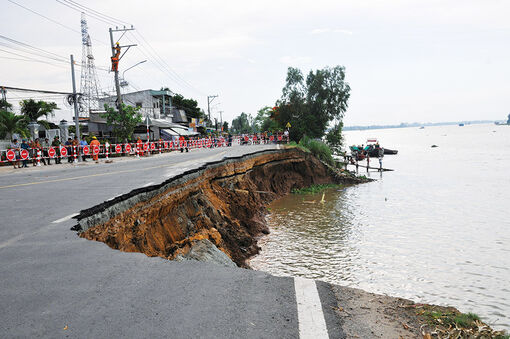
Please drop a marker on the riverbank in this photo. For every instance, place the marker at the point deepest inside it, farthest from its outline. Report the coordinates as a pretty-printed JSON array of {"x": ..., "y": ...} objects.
[
  {"x": 215, "y": 214},
  {"x": 217, "y": 208}
]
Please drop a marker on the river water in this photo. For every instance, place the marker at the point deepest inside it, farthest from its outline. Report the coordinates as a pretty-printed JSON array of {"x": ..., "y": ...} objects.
[{"x": 436, "y": 230}]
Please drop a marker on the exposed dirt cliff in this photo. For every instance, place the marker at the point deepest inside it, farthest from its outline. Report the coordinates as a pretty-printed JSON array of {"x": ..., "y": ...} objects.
[{"x": 222, "y": 202}]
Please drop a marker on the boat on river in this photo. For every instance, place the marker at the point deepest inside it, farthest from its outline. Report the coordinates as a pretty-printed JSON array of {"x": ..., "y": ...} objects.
[{"x": 372, "y": 149}]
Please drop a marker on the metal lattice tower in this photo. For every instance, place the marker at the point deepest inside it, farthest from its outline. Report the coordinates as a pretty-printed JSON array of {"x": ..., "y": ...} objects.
[{"x": 89, "y": 84}]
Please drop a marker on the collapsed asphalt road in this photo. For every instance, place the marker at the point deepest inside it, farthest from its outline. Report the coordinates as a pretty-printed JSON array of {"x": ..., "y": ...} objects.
[{"x": 54, "y": 283}]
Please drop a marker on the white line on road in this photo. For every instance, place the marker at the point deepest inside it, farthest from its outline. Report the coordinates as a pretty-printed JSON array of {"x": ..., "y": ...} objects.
[
  {"x": 311, "y": 319},
  {"x": 65, "y": 218},
  {"x": 10, "y": 241}
]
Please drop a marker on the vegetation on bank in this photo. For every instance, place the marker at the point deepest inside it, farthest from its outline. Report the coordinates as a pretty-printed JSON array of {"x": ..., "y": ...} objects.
[
  {"x": 315, "y": 188},
  {"x": 450, "y": 323}
]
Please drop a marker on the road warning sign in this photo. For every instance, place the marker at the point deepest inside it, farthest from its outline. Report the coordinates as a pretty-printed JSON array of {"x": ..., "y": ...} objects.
[{"x": 11, "y": 155}]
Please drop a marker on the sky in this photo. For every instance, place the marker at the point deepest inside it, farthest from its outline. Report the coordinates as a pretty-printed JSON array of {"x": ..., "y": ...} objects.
[{"x": 405, "y": 60}]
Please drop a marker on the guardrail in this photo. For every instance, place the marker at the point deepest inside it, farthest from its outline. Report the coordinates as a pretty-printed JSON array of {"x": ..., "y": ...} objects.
[{"x": 138, "y": 149}]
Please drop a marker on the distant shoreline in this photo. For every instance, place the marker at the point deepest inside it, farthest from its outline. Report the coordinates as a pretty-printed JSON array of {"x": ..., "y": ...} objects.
[{"x": 417, "y": 124}]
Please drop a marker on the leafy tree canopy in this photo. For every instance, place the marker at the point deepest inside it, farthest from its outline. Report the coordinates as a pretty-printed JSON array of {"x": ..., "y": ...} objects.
[
  {"x": 123, "y": 123},
  {"x": 5, "y": 105},
  {"x": 265, "y": 121},
  {"x": 242, "y": 123},
  {"x": 310, "y": 104},
  {"x": 33, "y": 110},
  {"x": 190, "y": 106},
  {"x": 11, "y": 123}
]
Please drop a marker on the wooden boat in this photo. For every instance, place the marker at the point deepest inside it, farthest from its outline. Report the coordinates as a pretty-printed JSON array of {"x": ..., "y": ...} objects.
[{"x": 390, "y": 151}]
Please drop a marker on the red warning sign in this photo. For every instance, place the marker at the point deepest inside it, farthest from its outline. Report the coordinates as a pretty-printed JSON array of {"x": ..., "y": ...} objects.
[
  {"x": 95, "y": 150},
  {"x": 51, "y": 152},
  {"x": 63, "y": 152},
  {"x": 118, "y": 148},
  {"x": 280, "y": 137},
  {"x": 166, "y": 144},
  {"x": 86, "y": 150},
  {"x": 24, "y": 154},
  {"x": 128, "y": 148},
  {"x": 146, "y": 146},
  {"x": 10, "y": 155},
  {"x": 246, "y": 138},
  {"x": 271, "y": 138},
  {"x": 153, "y": 146}
]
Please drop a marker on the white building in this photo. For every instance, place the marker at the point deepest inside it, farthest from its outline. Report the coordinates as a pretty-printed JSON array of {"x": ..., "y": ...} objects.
[{"x": 156, "y": 109}]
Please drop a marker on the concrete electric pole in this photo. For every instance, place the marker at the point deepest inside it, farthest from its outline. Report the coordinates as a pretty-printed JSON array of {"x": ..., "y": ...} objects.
[
  {"x": 116, "y": 57},
  {"x": 75, "y": 103},
  {"x": 210, "y": 99}
]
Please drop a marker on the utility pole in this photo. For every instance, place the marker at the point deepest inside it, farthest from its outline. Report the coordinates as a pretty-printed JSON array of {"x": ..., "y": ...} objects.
[
  {"x": 75, "y": 103},
  {"x": 221, "y": 120},
  {"x": 116, "y": 57},
  {"x": 210, "y": 99}
]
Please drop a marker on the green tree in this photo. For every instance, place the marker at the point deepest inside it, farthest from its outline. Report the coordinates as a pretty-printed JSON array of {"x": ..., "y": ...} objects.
[
  {"x": 508, "y": 121},
  {"x": 242, "y": 123},
  {"x": 225, "y": 126},
  {"x": 311, "y": 105},
  {"x": 5, "y": 105},
  {"x": 123, "y": 123},
  {"x": 334, "y": 138},
  {"x": 33, "y": 110},
  {"x": 190, "y": 106},
  {"x": 11, "y": 123},
  {"x": 265, "y": 121}
]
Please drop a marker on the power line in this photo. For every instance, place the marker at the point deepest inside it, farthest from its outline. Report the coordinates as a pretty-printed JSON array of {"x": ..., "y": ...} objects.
[
  {"x": 27, "y": 58},
  {"x": 97, "y": 12},
  {"x": 163, "y": 66},
  {"x": 34, "y": 90},
  {"x": 73, "y": 7},
  {"x": 32, "y": 47},
  {"x": 50, "y": 19}
]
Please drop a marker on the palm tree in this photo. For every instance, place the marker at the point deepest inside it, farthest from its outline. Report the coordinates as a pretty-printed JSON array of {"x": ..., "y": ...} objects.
[
  {"x": 11, "y": 123},
  {"x": 33, "y": 110}
]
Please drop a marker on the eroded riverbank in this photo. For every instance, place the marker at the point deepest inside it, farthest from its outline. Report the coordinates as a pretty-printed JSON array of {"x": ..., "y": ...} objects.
[{"x": 219, "y": 206}]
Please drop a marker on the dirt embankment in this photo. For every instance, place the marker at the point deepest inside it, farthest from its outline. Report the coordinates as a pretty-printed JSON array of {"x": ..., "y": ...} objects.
[{"x": 220, "y": 203}]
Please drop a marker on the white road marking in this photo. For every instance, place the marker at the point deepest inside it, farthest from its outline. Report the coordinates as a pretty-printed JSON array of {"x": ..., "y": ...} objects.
[
  {"x": 65, "y": 218},
  {"x": 148, "y": 184},
  {"x": 311, "y": 319},
  {"x": 11, "y": 241}
]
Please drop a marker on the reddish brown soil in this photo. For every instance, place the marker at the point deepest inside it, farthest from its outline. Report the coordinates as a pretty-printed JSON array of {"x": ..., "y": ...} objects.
[{"x": 225, "y": 204}]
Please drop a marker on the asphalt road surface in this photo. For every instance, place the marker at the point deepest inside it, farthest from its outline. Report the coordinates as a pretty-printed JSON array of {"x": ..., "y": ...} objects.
[{"x": 55, "y": 284}]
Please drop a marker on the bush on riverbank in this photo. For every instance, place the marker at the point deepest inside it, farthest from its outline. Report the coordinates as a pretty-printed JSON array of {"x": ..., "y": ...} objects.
[
  {"x": 315, "y": 188},
  {"x": 317, "y": 148}
]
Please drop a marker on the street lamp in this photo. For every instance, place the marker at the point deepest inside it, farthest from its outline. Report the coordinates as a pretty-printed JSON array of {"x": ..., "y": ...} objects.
[{"x": 124, "y": 82}]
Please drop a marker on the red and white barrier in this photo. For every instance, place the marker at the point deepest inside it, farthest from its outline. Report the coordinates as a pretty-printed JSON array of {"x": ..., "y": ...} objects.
[{"x": 136, "y": 149}]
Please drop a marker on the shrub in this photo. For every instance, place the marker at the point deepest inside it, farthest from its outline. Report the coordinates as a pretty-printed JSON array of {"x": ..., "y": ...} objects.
[{"x": 318, "y": 148}]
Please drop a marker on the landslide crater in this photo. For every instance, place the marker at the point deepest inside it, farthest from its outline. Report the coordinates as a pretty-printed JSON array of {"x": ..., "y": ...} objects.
[{"x": 213, "y": 213}]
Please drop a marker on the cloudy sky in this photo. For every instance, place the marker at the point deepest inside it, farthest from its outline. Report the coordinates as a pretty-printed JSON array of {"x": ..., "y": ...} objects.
[{"x": 406, "y": 61}]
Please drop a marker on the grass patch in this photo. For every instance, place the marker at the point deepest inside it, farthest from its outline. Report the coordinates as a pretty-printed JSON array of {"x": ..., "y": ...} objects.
[
  {"x": 447, "y": 321},
  {"x": 465, "y": 320},
  {"x": 315, "y": 188},
  {"x": 317, "y": 148}
]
